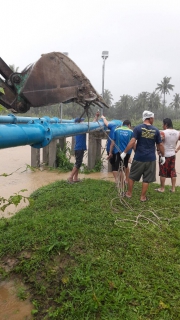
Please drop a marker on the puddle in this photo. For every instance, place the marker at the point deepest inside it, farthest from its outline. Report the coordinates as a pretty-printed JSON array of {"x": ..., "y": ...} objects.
[{"x": 11, "y": 307}]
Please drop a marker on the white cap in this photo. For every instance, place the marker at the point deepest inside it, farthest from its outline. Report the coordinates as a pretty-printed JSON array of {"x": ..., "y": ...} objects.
[{"x": 147, "y": 114}]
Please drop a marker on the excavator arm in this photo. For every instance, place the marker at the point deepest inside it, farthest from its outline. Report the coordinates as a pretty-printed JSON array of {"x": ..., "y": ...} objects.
[{"x": 53, "y": 79}]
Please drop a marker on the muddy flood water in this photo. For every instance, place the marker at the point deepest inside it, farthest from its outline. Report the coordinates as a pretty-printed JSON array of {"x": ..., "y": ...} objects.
[
  {"x": 12, "y": 308},
  {"x": 14, "y": 162}
]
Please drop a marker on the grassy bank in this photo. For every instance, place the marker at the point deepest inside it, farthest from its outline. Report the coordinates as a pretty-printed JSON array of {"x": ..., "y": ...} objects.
[{"x": 87, "y": 254}]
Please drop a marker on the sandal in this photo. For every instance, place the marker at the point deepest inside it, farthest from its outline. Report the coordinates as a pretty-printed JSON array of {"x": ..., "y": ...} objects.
[
  {"x": 127, "y": 196},
  {"x": 70, "y": 181},
  {"x": 159, "y": 190},
  {"x": 146, "y": 199}
]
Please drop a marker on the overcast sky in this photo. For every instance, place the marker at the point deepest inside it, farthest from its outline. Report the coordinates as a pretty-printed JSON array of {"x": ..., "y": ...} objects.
[{"x": 142, "y": 37}]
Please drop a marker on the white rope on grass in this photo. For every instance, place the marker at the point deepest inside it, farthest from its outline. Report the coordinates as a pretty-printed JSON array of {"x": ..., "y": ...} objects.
[{"x": 141, "y": 218}]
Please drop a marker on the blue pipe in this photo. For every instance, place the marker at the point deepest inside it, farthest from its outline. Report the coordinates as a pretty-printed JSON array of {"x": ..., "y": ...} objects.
[
  {"x": 11, "y": 118},
  {"x": 38, "y": 133}
]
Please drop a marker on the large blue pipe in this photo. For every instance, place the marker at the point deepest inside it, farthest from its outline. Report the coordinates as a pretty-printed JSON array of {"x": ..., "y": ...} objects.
[
  {"x": 11, "y": 118},
  {"x": 38, "y": 133}
]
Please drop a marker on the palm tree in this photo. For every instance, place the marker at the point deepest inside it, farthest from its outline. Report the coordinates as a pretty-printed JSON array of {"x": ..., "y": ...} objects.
[
  {"x": 164, "y": 88},
  {"x": 154, "y": 102},
  {"x": 141, "y": 103},
  {"x": 108, "y": 97},
  {"x": 176, "y": 102},
  {"x": 123, "y": 106}
]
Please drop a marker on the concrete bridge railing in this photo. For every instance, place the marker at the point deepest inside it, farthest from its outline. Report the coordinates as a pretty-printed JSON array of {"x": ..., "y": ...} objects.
[{"x": 94, "y": 144}]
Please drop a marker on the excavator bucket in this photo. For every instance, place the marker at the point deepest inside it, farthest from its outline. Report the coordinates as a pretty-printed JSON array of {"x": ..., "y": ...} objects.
[{"x": 53, "y": 79}]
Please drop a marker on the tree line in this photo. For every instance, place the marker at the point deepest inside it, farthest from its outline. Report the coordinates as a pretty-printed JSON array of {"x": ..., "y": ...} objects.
[
  {"x": 132, "y": 107},
  {"x": 127, "y": 107}
]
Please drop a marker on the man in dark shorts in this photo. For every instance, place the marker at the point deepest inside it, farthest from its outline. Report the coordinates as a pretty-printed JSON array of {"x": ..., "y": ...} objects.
[
  {"x": 146, "y": 137},
  {"x": 121, "y": 137},
  {"x": 80, "y": 147},
  {"x": 111, "y": 126}
]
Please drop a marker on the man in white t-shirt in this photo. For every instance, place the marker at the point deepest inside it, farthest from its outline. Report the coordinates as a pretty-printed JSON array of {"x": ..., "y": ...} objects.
[{"x": 170, "y": 138}]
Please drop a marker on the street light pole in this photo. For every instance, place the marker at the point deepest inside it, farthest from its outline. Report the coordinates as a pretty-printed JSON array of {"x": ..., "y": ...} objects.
[{"x": 105, "y": 55}]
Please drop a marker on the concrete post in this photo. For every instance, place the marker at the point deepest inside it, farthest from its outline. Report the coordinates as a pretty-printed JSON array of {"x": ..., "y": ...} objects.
[
  {"x": 52, "y": 153},
  {"x": 35, "y": 157},
  {"x": 94, "y": 149},
  {"x": 46, "y": 155},
  {"x": 98, "y": 150},
  {"x": 62, "y": 142}
]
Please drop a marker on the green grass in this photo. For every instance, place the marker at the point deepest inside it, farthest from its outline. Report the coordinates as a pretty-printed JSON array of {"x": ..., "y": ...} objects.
[{"x": 87, "y": 254}]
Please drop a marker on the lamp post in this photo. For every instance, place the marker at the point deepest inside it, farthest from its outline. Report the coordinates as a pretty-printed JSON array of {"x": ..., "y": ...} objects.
[
  {"x": 105, "y": 55},
  {"x": 61, "y": 105}
]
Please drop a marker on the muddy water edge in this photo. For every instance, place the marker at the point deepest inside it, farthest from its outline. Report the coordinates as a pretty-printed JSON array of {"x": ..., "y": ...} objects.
[{"x": 15, "y": 162}]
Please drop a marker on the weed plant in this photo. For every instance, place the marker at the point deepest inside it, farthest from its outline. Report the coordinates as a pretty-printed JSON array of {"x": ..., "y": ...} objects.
[
  {"x": 64, "y": 164},
  {"x": 88, "y": 254},
  {"x": 63, "y": 158}
]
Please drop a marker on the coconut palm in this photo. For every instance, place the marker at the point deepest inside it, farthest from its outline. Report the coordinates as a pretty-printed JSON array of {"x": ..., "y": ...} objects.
[
  {"x": 123, "y": 106},
  {"x": 141, "y": 103},
  {"x": 154, "y": 102},
  {"x": 176, "y": 102},
  {"x": 164, "y": 87},
  {"x": 108, "y": 97}
]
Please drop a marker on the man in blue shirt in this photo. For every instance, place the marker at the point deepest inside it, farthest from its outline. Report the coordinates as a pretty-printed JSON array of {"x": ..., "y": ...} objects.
[
  {"x": 146, "y": 137},
  {"x": 80, "y": 147},
  {"x": 121, "y": 137},
  {"x": 111, "y": 126}
]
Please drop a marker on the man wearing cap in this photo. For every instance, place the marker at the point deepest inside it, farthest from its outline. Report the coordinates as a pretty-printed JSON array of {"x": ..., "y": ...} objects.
[{"x": 146, "y": 137}]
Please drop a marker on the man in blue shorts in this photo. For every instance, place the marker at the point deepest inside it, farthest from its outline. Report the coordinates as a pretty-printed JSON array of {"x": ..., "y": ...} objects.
[
  {"x": 146, "y": 137},
  {"x": 121, "y": 137}
]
